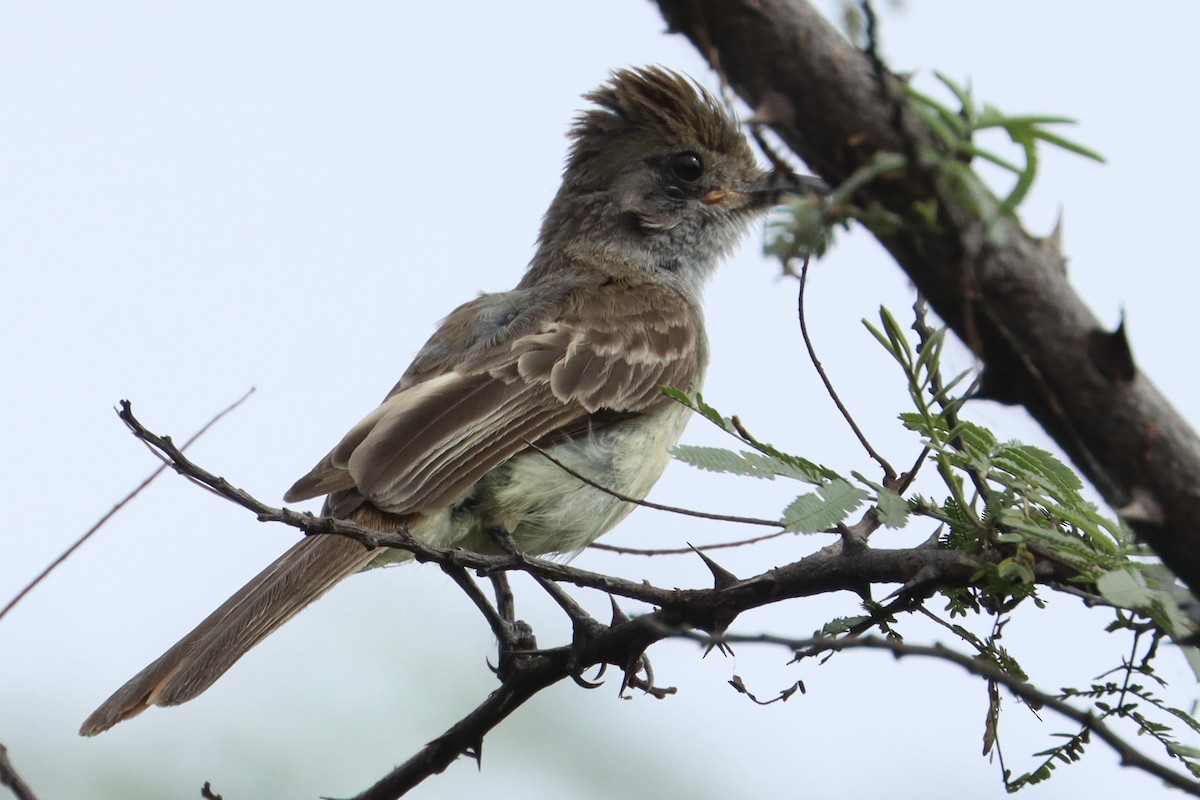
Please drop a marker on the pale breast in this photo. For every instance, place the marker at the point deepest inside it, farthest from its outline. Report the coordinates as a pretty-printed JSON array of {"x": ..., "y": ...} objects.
[{"x": 546, "y": 509}]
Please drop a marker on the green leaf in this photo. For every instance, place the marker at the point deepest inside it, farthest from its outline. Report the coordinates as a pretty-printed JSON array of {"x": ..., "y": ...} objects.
[
  {"x": 893, "y": 509},
  {"x": 755, "y": 465},
  {"x": 679, "y": 396},
  {"x": 718, "y": 459},
  {"x": 827, "y": 506},
  {"x": 975, "y": 438},
  {"x": 931, "y": 349},
  {"x": 1125, "y": 588},
  {"x": 1046, "y": 470},
  {"x": 992, "y": 117},
  {"x": 961, "y": 94},
  {"x": 712, "y": 415},
  {"x": 1070, "y": 146},
  {"x": 771, "y": 460},
  {"x": 1011, "y": 569},
  {"x": 896, "y": 335},
  {"x": 878, "y": 334},
  {"x": 988, "y": 155},
  {"x": 1073, "y": 550},
  {"x": 839, "y": 625}
]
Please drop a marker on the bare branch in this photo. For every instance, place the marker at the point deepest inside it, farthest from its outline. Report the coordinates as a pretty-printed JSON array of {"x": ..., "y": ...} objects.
[
  {"x": 621, "y": 643},
  {"x": 10, "y": 778},
  {"x": 889, "y": 474},
  {"x": 99, "y": 523},
  {"x": 684, "y": 551}
]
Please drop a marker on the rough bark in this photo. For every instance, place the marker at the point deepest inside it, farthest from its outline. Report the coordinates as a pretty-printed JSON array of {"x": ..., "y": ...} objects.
[{"x": 1002, "y": 291}]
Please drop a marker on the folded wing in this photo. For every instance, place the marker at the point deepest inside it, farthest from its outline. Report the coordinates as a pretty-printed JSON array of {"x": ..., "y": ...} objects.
[{"x": 431, "y": 440}]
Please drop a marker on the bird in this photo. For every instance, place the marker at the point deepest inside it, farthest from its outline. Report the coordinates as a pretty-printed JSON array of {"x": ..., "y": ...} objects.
[{"x": 659, "y": 186}]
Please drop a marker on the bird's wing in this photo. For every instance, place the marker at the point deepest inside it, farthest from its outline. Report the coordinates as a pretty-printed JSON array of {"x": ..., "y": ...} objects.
[{"x": 430, "y": 441}]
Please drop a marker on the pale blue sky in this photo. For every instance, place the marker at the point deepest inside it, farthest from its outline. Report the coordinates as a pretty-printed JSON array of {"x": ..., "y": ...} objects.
[{"x": 202, "y": 197}]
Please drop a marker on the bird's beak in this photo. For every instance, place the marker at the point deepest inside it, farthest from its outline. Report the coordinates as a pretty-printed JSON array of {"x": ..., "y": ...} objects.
[{"x": 767, "y": 190}]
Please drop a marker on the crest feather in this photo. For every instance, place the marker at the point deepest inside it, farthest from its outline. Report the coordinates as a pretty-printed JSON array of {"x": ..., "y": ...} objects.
[{"x": 658, "y": 104}]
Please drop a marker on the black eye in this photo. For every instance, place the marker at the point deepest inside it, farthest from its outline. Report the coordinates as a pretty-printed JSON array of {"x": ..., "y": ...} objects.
[{"x": 687, "y": 166}]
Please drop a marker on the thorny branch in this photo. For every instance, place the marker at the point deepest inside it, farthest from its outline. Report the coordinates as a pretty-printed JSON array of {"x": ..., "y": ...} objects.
[
  {"x": 1004, "y": 292},
  {"x": 621, "y": 643},
  {"x": 1036, "y": 698}
]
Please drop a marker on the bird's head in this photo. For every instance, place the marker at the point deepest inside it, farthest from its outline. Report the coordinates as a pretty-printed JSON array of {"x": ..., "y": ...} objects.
[{"x": 658, "y": 175}]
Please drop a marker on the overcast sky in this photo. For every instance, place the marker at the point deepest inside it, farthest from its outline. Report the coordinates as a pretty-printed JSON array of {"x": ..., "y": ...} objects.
[{"x": 201, "y": 197}]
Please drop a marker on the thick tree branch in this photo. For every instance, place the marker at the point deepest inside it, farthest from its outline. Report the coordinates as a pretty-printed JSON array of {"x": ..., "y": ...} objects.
[{"x": 1002, "y": 291}]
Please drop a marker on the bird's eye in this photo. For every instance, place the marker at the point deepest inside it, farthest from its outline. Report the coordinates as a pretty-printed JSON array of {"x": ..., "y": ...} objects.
[{"x": 687, "y": 166}]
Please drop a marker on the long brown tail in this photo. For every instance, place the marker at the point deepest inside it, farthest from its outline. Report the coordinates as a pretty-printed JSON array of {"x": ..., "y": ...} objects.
[{"x": 274, "y": 596}]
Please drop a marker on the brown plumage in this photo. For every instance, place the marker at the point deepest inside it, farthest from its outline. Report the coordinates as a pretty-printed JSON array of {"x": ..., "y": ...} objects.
[
  {"x": 435, "y": 436},
  {"x": 659, "y": 185}
]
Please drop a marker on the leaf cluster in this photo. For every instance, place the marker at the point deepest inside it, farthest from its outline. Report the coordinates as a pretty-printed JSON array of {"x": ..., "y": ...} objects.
[
  {"x": 1008, "y": 504},
  {"x": 956, "y": 128}
]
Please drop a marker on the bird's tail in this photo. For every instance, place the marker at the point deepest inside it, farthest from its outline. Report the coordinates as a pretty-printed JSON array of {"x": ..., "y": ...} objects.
[{"x": 275, "y": 595}]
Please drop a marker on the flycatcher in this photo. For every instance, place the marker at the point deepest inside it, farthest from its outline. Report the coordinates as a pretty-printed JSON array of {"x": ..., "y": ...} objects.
[{"x": 659, "y": 186}]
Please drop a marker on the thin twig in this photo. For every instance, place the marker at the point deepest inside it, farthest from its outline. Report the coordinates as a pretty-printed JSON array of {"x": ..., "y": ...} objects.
[
  {"x": 79, "y": 542},
  {"x": 399, "y": 539},
  {"x": 10, "y": 778},
  {"x": 889, "y": 474},
  {"x": 494, "y": 619},
  {"x": 683, "y": 551},
  {"x": 1130, "y": 756},
  {"x": 622, "y": 643},
  {"x": 506, "y": 605},
  {"x": 656, "y": 506},
  {"x": 907, "y": 478}
]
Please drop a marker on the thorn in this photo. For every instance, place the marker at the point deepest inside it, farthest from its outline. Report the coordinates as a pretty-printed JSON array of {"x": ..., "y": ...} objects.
[
  {"x": 1111, "y": 354},
  {"x": 1143, "y": 508},
  {"x": 722, "y": 647},
  {"x": 629, "y": 680},
  {"x": 927, "y": 575},
  {"x": 934, "y": 540},
  {"x": 722, "y": 578},
  {"x": 585, "y": 683},
  {"x": 475, "y": 751},
  {"x": 618, "y": 616},
  {"x": 1052, "y": 244}
]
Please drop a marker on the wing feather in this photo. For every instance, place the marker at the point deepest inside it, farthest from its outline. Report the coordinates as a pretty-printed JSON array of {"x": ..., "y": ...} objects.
[{"x": 607, "y": 349}]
